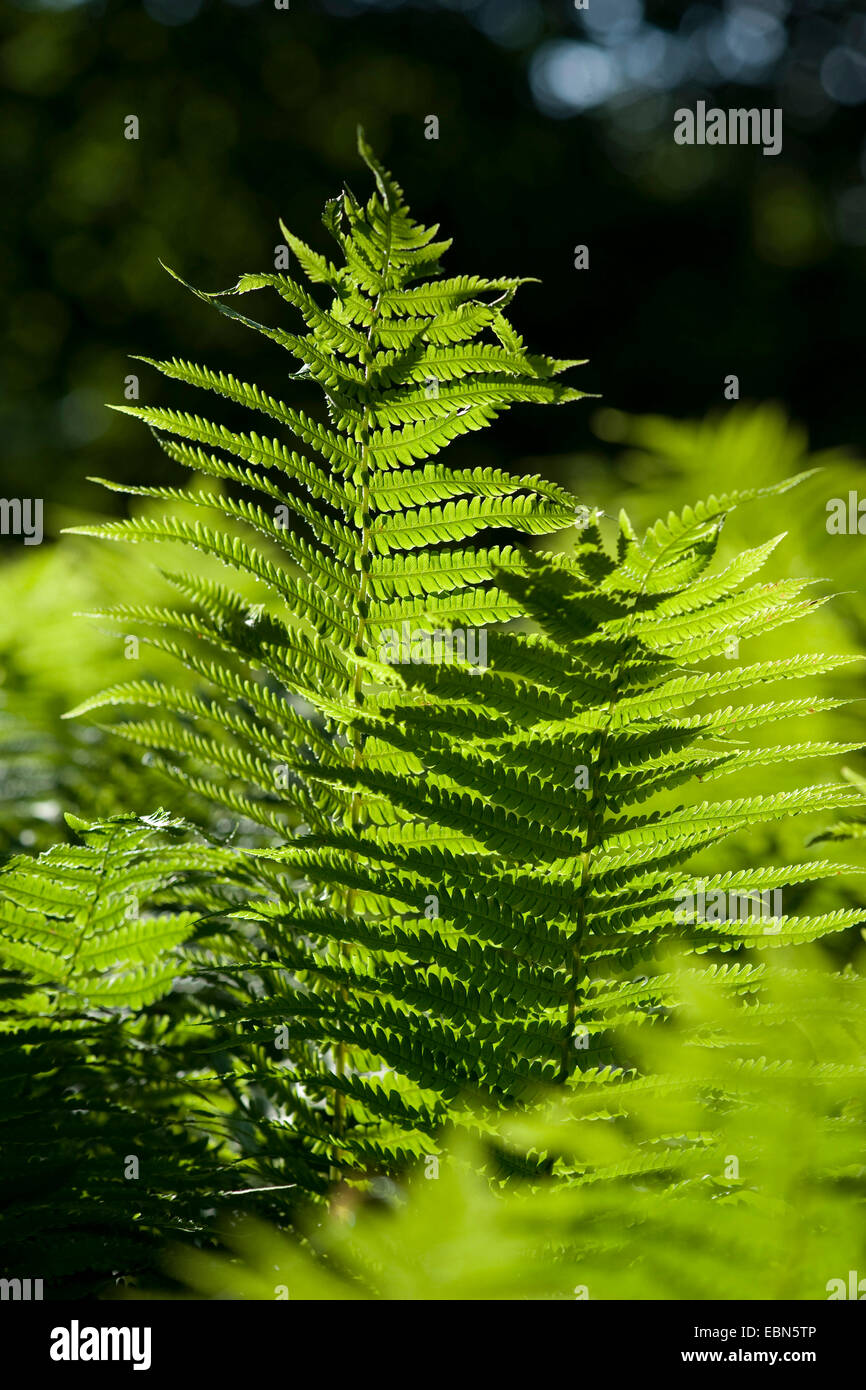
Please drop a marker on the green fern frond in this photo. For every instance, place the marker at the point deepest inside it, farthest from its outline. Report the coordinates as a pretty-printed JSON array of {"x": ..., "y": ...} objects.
[
  {"x": 472, "y": 840},
  {"x": 357, "y": 529}
]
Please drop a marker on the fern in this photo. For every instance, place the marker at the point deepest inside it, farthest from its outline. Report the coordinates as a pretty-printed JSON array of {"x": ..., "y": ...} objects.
[
  {"x": 758, "y": 1206},
  {"x": 503, "y": 916},
  {"x": 107, "y": 1146},
  {"x": 465, "y": 861},
  {"x": 350, "y": 529},
  {"x": 665, "y": 466}
]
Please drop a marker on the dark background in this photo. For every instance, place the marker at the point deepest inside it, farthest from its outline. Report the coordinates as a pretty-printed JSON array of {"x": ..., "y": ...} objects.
[{"x": 556, "y": 129}]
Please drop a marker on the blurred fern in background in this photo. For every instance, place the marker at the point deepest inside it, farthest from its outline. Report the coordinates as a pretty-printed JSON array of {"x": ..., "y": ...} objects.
[{"x": 727, "y": 1165}]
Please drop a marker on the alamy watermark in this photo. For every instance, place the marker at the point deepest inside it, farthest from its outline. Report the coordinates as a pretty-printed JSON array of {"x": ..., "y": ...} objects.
[
  {"x": 424, "y": 647},
  {"x": 854, "y": 1289},
  {"x": 22, "y": 516},
  {"x": 77, "y": 1343},
  {"x": 21, "y": 1290},
  {"x": 719, "y": 906},
  {"x": 735, "y": 127},
  {"x": 846, "y": 516}
]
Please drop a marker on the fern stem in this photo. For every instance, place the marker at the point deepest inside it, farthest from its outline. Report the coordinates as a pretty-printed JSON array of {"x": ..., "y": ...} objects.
[
  {"x": 590, "y": 842},
  {"x": 364, "y": 561}
]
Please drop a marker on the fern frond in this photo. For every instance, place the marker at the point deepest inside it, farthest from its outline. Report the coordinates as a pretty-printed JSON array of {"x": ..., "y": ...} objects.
[{"x": 468, "y": 847}]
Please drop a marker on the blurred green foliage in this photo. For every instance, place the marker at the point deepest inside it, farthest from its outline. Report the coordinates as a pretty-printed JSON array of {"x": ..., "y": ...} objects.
[
  {"x": 732, "y": 1170},
  {"x": 51, "y": 658}
]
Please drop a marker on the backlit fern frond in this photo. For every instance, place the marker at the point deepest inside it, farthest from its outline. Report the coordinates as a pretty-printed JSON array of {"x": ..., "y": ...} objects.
[
  {"x": 542, "y": 852},
  {"x": 478, "y": 837},
  {"x": 348, "y": 523},
  {"x": 76, "y": 919}
]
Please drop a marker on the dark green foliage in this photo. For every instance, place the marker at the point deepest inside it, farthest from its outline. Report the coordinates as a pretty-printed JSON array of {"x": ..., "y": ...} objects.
[{"x": 103, "y": 1152}]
